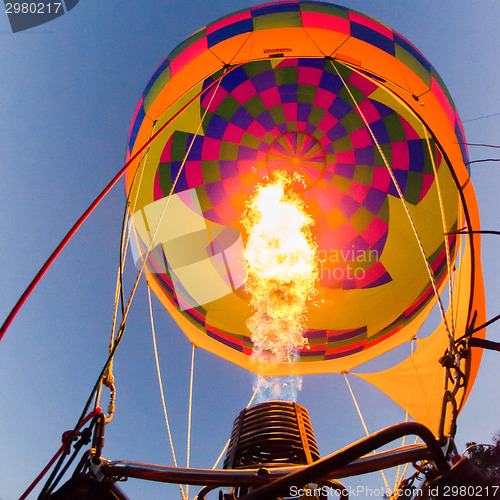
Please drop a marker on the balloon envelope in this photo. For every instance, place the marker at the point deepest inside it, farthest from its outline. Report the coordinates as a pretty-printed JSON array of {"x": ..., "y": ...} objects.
[{"x": 362, "y": 115}]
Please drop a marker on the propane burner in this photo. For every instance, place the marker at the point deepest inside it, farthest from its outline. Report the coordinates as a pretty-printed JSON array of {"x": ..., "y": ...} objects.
[{"x": 274, "y": 433}]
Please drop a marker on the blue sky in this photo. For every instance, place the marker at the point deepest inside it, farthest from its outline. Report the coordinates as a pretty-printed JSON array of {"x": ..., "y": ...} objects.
[{"x": 68, "y": 91}]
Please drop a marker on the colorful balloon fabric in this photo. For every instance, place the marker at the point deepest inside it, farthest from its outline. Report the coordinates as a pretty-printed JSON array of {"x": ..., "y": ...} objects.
[{"x": 362, "y": 115}]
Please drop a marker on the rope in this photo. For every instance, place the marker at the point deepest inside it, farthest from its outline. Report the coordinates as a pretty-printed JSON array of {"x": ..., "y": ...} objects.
[
  {"x": 401, "y": 197},
  {"x": 95, "y": 389},
  {"x": 364, "y": 425},
  {"x": 153, "y": 236},
  {"x": 479, "y": 144},
  {"x": 108, "y": 379},
  {"x": 161, "y": 386},
  {"x": 70, "y": 234},
  {"x": 398, "y": 477},
  {"x": 247, "y": 406},
  {"x": 446, "y": 241},
  {"x": 483, "y": 160},
  {"x": 168, "y": 198},
  {"x": 67, "y": 438},
  {"x": 92, "y": 206},
  {"x": 188, "y": 453},
  {"x": 480, "y": 118}
]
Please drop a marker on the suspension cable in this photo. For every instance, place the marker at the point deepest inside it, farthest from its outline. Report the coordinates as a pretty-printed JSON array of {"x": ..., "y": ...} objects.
[
  {"x": 445, "y": 232},
  {"x": 364, "y": 425},
  {"x": 48, "y": 263},
  {"x": 403, "y": 201},
  {"x": 255, "y": 392},
  {"x": 158, "y": 371},
  {"x": 188, "y": 453},
  {"x": 108, "y": 378},
  {"x": 50, "y": 485},
  {"x": 399, "y": 476},
  {"x": 67, "y": 438}
]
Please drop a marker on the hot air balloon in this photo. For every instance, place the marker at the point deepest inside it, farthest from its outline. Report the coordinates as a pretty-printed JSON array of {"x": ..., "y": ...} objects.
[
  {"x": 363, "y": 119},
  {"x": 362, "y": 115}
]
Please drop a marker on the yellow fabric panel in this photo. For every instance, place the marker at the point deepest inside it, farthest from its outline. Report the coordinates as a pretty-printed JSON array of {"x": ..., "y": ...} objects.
[{"x": 416, "y": 384}]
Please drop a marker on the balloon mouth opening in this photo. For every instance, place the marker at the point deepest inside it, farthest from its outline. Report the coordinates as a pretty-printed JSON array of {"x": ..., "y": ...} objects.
[{"x": 273, "y": 433}]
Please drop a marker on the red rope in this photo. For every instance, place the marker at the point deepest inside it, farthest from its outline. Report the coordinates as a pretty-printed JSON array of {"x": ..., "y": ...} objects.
[
  {"x": 89, "y": 210},
  {"x": 67, "y": 438}
]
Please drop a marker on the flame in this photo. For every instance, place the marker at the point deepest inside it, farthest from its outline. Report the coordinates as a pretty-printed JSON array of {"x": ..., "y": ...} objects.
[{"x": 281, "y": 264}]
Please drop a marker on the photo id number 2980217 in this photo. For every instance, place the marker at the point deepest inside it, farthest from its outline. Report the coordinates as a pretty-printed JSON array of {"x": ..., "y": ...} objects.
[{"x": 33, "y": 7}]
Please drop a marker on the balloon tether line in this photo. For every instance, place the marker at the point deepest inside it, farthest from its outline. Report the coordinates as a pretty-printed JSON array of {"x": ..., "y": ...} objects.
[
  {"x": 364, "y": 423},
  {"x": 403, "y": 201},
  {"x": 158, "y": 371}
]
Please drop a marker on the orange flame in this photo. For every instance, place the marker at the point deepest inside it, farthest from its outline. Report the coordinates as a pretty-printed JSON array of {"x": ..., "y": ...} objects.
[{"x": 282, "y": 271}]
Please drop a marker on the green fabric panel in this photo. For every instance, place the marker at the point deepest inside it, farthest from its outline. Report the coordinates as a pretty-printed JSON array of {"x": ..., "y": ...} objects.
[
  {"x": 228, "y": 107},
  {"x": 378, "y": 161},
  {"x": 342, "y": 144},
  {"x": 286, "y": 75},
  {"x": 345, "y": 95},
  {"x": 361, "y": 220},
  {"x": 435, "y": 254},
  {"x": 352, "y": 121},
  {"x": 179, "y": 148},
  {"x": 257, "y": 67},
  {"x": 363, "y": 175},
  {"x": 228, "y": 151},
  {"x": 315, "y": 117},
  {"x": 277, "y": 20},
  {"x": 203, "y": 199},
  {"x": 363, "y": 261},
  {"x": 413, "y": 187},
  {"x": 277, "y": 115},
  {"x": 330, "y": 158},
  {"x": 161, "y": 81},
  {"x": 324, "y": 8},
  {"x": 383, "y": 212},
  {"x": 306, "y": 93},
  {"x": 250, "y": 141},
  {"x": 202, "y": 33},
  {"x": 408, "y": 60},
  {"x": 207, "y": 119},
  {"x": 428, "y": 169},
  {"x": 340, "y": 182},
  {"x": 347, "y": 342},
  {"x": 316, "y": 341},
  {"x": 308, "y": 359},
  {"x": 210, "y": 170},
  {"x": 255, "y": 106},
  {"x": 268, "y": 138},
  {"x": 194, "y": 321},
  {"x": 394, "y": 128}
]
